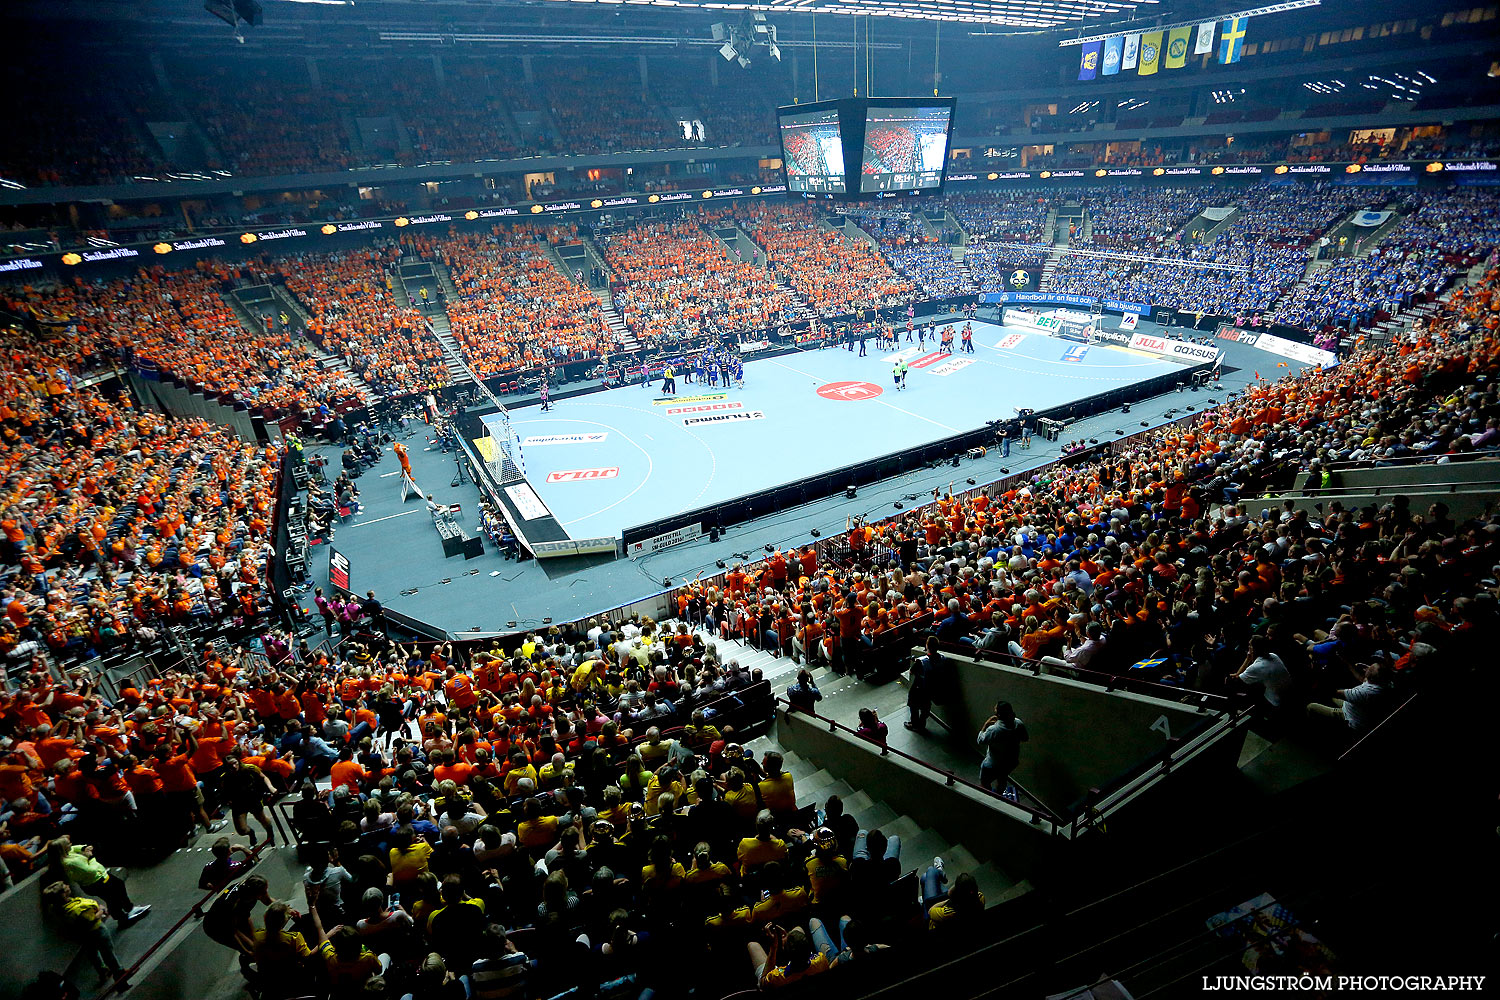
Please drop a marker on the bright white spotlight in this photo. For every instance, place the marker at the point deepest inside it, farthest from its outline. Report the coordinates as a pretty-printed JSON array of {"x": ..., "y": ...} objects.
[{"x": 727, "y": 51}]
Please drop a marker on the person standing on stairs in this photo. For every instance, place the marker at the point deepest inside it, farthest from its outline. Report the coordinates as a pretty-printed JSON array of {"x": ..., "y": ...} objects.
[
  {"x": 931, "y": 677},
  {"x": 804, "y": 695},
  {"x": 1000, "y": 738}
]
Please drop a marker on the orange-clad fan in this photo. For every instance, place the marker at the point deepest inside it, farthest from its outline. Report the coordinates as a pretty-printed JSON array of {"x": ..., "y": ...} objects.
[
  {"x": 675, "y": 279},
  {"x": 836, "y": 274}
]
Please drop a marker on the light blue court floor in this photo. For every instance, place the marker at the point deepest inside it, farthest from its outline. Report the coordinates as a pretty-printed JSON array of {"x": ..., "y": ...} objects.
[{"x": 612, "y": 460}]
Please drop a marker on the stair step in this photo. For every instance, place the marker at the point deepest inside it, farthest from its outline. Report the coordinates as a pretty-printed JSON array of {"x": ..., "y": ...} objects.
[
  {"x": 902, "y": 826},
  {"x": 858, "y": 802},
  {"x": 875, "y": 817},
  {"x": 838, "y": 787},
  {"x": 996, "y": 884},
  {"x": 808, "y": 788},
  {"x": 926, "y": 845},
  {"x": 961, "y": 859}
]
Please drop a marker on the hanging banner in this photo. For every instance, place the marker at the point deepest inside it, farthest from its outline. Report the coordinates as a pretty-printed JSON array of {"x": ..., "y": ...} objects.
[
  {"x": 1205, "y": 42},
  {"x": 1177, "y": 46},
  {"x": 1232, "y": 39},
  {"x": 1113, "y": 50},
  {"x": 1088, "y": 61},
  {"x": 1130, "y": 52},
  {"x": 1150, "y": 53}
]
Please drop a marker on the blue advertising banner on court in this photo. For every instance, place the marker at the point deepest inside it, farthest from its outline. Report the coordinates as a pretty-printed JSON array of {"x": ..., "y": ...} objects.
[
  {"x": 1076, "y": 353},
  {"x": 1064, "y": 299}
]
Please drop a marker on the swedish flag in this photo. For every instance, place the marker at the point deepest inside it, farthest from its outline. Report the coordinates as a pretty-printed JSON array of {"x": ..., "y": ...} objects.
[{"x": 1232, "y": 39}]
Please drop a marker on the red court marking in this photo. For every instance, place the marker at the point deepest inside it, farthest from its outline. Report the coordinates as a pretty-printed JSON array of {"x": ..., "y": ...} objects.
[
  {"x": 931, "y": 359},
  {"x": 846, "y": 391},
  {"x": 578, "y": 475}
]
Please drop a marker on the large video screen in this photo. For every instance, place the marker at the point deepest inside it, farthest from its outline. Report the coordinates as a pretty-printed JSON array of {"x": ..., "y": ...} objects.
[
  {"x": 906, "y": 148},
  {"x": 812, "y": 149}
]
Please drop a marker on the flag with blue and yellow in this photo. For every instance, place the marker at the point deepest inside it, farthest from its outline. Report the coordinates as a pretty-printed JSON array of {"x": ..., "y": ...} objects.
[{"x": 1232, "y": 39}]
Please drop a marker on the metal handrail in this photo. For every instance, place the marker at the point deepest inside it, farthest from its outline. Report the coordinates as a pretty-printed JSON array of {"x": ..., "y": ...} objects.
[
  {"x": 1386, "y": 489},
  {"x": 195, "y": 911},
  {"x": 1357, "y": 744},
  {"x": 1160, "y": 763},
  {"x": 1038, "y": 812},
  {"x": 1207, "y": 700},
  {"x": 1409, "y": 460}
]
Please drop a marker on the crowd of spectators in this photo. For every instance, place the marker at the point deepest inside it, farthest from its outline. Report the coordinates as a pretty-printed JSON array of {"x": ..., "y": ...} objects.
[
  {"x": 514, "y": 308},
  {"x": 118, "y": 522},
  {"x": 673, "y": 279},
  {"x": 1264, "y": 249},
  {"x": 516, "y": 816},
  {"x": 354, "y": 315},
  {"x": 916, "y": 254},
  {"x": 264, "y": 122},
  {"x": 83, "y": 133},
  {"x": 835, "y": 274},
  {"x": 1017, "y": 216},
  {"x": 1441, "y": 234},
  {"x": 932, "y": 269},
  {"x": 599, "y": 106},
  {"x": 180, "y": 323}
]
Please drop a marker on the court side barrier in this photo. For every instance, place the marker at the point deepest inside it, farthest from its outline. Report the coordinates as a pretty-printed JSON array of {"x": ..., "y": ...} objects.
[
  {"x": 765, "y": 502},
  {"x": 831, "y": 547}
]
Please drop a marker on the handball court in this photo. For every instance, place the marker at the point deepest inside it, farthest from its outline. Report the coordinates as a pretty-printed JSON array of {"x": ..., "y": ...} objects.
[{"x": 611, "y": 460}]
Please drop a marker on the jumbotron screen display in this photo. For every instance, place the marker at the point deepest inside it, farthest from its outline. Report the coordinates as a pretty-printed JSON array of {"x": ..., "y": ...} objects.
[
  {"x": 812, "y": 150},
  {"x": 906, "y": 147}
]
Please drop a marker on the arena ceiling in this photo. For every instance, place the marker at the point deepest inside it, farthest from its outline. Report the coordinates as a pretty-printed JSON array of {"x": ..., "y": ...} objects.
[{"x": 1015, "y": 15}]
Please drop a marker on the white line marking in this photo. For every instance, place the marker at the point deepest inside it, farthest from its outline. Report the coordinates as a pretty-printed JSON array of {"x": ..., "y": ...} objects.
[
  {"x": 650, "y": 465},
  {"x": 387, "y": 475},
  {"x": 917, "y": 415},
  {"x": 361, "y": 524}
]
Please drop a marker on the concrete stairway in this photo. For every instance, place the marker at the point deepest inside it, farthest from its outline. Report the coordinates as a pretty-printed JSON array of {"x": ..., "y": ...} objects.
[
  {"x": 624, "y": 339},
  {"x": 1053, "y": 259},
  {"x": 399, "y": 291},
  {"x": 800, "y": 306},
  {"x": 326, "y": 360},
  {"x": 284, "y": 301},
  {"x": 458, "y": 374},
  {"x": 445, "y": 280},
  {"x": 597, "y": 253},
  {"x": 919, "y": 844}
]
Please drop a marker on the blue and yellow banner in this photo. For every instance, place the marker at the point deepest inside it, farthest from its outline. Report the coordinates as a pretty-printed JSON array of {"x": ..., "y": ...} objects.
[
  {"x": 1088, "y": 61},
  {"x": 1232, "y": 39}
]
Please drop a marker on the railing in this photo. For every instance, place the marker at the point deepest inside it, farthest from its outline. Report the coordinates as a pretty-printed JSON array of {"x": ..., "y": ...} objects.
[
  {"x": 1390, "y": 489},
  {"x": 1379, "y": 732},
  {"x": 1122, "y": 790},
  {"x": 195, "y": 911},
  {"x": 1206, "y": 700},
  {"x": 1036, "y": 810},
  {"x": 1400, "y": 461}
]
